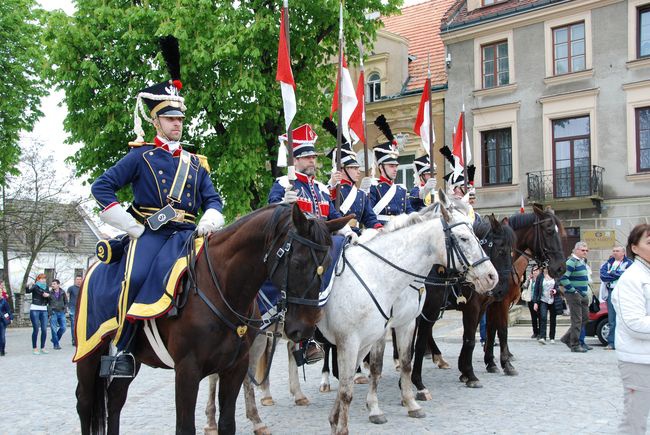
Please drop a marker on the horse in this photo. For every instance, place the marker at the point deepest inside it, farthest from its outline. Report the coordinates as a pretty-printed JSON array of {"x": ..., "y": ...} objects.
[
  {"x": 210, "y": 334},
  {"x": 528, "y": 229},
  {"x": 354, "y": 325}
]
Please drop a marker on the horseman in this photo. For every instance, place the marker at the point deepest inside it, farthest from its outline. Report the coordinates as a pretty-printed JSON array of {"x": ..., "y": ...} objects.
[
  {"x": 312, "y": 197},
  {"x": 455, "y": 181},
  {"x": 423, "y": 193},
  {"x": 170, "y": 186},
  {"x": 387, "y": 198},
  {"x": 352, "y": 200}
]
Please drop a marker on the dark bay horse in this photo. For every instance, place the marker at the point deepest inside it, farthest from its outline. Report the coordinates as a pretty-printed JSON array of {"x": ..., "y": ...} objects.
[{"x": 214, "y": 330}]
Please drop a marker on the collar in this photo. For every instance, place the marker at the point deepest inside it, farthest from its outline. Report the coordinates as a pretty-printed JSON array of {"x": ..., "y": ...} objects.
[
  {"x": 304, "y": 178},
  {"x": 348, "y": 182},
  {"x": 383, "y": 179},
  {"x": 576, "y": 257},
  {"x": 161, "y": 143}
]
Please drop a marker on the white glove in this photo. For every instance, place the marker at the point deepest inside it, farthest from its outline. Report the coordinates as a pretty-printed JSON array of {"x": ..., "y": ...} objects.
[
  {"x": 211, "y": 221},
  {"x": 290, "y": 196},
  {"x": 119, "y": 218},
  {"x": 349, "y": 233},
  {"x": 365, "y": 184},
  {"x": 428, "y": 187},
  {"x": 334, "y": 179}
]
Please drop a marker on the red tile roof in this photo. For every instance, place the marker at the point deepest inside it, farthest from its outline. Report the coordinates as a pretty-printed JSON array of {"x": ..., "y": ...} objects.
[
  {"x": 420, "y": 24},
  {"x": 458, "y": 15}
]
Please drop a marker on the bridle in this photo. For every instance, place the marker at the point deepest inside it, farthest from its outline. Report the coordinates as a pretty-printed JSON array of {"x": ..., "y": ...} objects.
[
  {"x": 539, "y": 244},
  {"x": 487, "y": 243}
]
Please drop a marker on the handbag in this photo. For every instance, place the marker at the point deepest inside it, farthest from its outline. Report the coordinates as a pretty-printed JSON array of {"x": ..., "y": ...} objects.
[{"x": 594, "y": 306}]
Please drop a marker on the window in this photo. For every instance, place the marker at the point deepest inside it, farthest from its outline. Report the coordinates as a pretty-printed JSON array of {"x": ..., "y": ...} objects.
[
  {"x": 374, "y": 87},
  {"x": 643, "y": 138},
  {"x": 78, "y": 272},
  {"x": 572, "y": 157},
  {"x": 69, "y": 239},
  {"x": 643, "y": 29},
  {"x": 569, "y": 48},
  {"x": 497, "y": 156},
  {"x": 491, "y": 2},
  {"x": 405, "y": 175},
  {"x": 495, "y": 64}
]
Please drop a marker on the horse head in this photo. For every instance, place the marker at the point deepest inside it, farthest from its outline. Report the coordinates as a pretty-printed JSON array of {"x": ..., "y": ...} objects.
[
  {"x": 498, "y": 240},
  {"x": 305, "y": 257}
]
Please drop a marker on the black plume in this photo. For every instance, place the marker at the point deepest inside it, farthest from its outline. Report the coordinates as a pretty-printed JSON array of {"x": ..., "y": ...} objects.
[
  {"x": 445, "y": 151},
  {"x": 383, "y": 126},
  {"x": 471, "y": 170},
  {"x": 172, "y": 55},
  {"x": 329, "y": 126}
]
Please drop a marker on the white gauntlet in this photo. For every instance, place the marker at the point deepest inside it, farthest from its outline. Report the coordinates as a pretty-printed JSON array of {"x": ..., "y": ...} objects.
[
  {"x": 349, "y": 233},
  {"x": 119, "y": 218},
  {"x": 211, "y": 221},
  {"x": 427, "y": 188},
  {"x": 290, "y": 196},
  {"x": 365, "y": 184}
]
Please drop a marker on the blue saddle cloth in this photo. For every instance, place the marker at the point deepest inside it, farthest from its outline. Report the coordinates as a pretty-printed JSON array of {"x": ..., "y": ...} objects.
[{"x": 269, "y": 294}]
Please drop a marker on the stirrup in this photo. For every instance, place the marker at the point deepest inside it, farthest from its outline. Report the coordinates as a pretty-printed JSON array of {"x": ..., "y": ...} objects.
[
  {"x": 121, "y": 365},
  {"x": 313, "y": 352}
]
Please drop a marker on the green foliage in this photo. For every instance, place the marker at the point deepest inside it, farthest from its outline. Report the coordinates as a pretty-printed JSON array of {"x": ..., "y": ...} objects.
[
  {"x": 107, "y": 51},
  {"x": 21, "y": 85}
]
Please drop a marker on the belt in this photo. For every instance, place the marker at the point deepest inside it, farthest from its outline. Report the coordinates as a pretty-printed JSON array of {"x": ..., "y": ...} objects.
[
  {"x": 181, "y": 215},
  {"x": 385, "y": 217}
]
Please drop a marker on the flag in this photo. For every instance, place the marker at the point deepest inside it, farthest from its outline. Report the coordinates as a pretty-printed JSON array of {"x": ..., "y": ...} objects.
[
  {"x": 457, "y": 150},
  {"x": 358, "y": 118},
  {"x": 285, "y": 76},
  {"x": 348, "y": 97},
  {"x": 421, "y": 127},
  {"x": 522, "y": 210}
]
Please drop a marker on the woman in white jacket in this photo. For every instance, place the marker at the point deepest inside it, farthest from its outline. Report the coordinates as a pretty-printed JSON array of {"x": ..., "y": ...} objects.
[{"x": 632, "y": 303}]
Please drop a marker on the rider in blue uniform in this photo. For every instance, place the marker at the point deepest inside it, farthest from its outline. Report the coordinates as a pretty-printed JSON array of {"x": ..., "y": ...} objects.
[
  {"x": 422, "y": 193},
  {"x": 387, "y": 198},
  {"x": 352, "y": 200},
  {"x": 170, "y": 186}
]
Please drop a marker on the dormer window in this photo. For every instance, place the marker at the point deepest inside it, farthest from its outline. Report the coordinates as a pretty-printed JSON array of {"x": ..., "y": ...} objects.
[
  {"x": 492, "y": 2},
  {"x": 374, "y": 87}
]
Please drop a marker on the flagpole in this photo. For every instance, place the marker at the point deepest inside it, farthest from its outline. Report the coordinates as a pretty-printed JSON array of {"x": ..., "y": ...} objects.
[
  {"x": 430, "y": 114},
  {"x": 462, "y": 114},
  {"x": 339, "y": 134},
  {"x": 363, "y": 117},
  {"x": 291, "y": 169}
]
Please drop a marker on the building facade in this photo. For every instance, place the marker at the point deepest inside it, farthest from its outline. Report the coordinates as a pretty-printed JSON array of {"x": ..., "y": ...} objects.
[{"x": 557, "y": 105}]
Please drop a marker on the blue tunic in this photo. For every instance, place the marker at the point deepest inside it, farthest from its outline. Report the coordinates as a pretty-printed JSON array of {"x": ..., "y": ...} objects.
[
  {"x": 414, "y": 197},
  {"x": 399, "y": 204},
  {"x": 360, "y": 207},
  {"x": 313, "y": 197}
]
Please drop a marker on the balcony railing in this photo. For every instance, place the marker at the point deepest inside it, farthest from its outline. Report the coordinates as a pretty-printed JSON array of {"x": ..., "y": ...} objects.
[{"x": 565, "y": 183}]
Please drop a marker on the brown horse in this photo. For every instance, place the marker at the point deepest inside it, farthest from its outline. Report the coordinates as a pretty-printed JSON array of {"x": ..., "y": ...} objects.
[{"x": 215, "y": 328}]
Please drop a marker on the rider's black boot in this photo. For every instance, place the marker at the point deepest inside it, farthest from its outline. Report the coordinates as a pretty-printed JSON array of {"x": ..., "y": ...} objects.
[{"x": 121, "y": 365}]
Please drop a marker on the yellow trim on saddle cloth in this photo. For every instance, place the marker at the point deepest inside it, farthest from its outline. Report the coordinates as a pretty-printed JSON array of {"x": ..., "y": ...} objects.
[
  {"x": 84, "y": 345},
  {"x": 124, "y": 294},
  {"x": 159, "y": 307}
]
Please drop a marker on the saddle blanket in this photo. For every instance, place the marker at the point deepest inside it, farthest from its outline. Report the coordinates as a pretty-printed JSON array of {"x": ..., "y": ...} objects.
[
  {"x": 118, "y": 290},
  {"x": 269, "y": 294}
]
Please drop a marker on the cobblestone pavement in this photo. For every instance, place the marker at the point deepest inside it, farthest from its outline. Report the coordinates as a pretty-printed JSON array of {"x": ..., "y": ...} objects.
[{"x": 556, "y": 392}]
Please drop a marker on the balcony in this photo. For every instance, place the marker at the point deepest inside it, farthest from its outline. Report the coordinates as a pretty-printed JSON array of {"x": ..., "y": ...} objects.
[{"x": 566, "y": 188}]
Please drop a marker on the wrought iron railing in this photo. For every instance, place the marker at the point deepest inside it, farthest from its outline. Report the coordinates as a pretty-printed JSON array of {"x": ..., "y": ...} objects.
[{"x": 565, "y": 183}]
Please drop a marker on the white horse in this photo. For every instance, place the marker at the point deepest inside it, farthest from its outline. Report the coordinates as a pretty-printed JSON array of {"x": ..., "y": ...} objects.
[{"x": 356, "y": 315}]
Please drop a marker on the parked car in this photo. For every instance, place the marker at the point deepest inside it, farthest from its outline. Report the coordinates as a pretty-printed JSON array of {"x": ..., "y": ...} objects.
[{"x": 598, "y": 324}]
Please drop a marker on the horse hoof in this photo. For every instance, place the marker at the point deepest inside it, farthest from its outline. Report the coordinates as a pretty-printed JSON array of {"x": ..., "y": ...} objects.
[
  {"x": 511, "y": 371},
  {"x": 463, "y": 378},
  {"x": 417, "y": 413},
  {"x": 492, "y": 369},
  {"x": 440, "y": 362},
  {"x": 262, "y": 431},
  {"x": 474, "y": 384},
  {"x": 378, "y": 419},
  {"x": 361, "y": 379},
  {"x": 210, "y": 430},
  {"x": 302, "y": 402},
  {"x": 267, "y": 401},
  {"x": 324, "y": 388},
  {"x": 423, "y": 395},
  {"x": 444, "y": 365}
]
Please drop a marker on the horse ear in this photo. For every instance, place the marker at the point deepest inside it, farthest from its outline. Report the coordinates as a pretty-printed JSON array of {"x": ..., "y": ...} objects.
[
  {"x": 445, "y": 214},
  {"x": 337, "y": 224},
  {"x": 300, "y": 221},
  {"x": 494, "y": 222},
  {"x": 538, "y": 210},
  {"x": 505, "y": 221},
  {"x": 443, "y": 198}
]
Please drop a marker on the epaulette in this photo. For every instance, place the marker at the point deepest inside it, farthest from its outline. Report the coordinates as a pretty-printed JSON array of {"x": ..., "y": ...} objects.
[
  {"x": 203, "y": 160},
  {"x": 139, "y": 144}
]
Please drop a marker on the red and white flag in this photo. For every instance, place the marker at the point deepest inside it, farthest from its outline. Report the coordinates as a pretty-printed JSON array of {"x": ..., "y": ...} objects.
[
  {"x": 358, "y": 118},
  {"x": 285, "y": 76},
  {"x": 348, "y": 99},
  {"x": 461, "y": 148},
  {"x": 522, "y": 210},
  {"x": 421, "y": 126}
]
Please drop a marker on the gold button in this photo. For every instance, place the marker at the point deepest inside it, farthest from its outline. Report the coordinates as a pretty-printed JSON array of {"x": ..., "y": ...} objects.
[
  {"x": 190, "y": 204},
  {"x": 188, "y": 194},
  {"x": 189, "y": 176},
  {"x": 189, "y": 186},
  {"x": 151, "y": 153},
  {"x": 160, "y": 172},
  {"x": 163, "y": 181},
  {"x": 164, "y": 190}
]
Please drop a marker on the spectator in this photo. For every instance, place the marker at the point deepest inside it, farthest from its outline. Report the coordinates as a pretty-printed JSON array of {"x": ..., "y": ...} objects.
[
  {"x": 632, "y": 302},
  {"x": 527, "y": 295},
  {"x": 576, "y": 283},
  {"x": 58, "y": 306},
  {"x": 610, "y": 272},
  {"x": 583, "y": 331},
  {"x": 38, "y": 311},
  {"x": 5, "y": 317},
  {"x": 543, "y": 300},
  {"x": 73, "y": 292}
]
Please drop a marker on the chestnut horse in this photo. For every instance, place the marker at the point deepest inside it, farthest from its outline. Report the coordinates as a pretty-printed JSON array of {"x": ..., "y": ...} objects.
[{"x": 214, "y": 330}]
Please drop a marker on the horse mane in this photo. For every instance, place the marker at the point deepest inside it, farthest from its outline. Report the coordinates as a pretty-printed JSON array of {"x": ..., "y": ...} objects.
[
  {"x": 402, "y": 221},
  {"x": 483, "y": 226},
  {"x": 518, "y": 221}
]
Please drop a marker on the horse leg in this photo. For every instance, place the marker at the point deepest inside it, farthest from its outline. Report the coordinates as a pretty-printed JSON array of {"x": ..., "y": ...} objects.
[
  {"x": 395, "y": 353},
  {"x": 230, "y": 383},
  {"x": 423, "y": 329},
  {"x": 376, "y": 364},
  {"x": 211, "y": 407},
  {"x": 404, "y": 335},
  {"x": 259, "y": 428},
  {"x": 325, "y": 372},
  {"x": 471, "y": 317},
  {"x": 502, "y": 330},
  {"x": 187, "y": 379},
  {"x": 488, "y": 358},
  {"x": 261, "y": 364},
  {"x": 91, "y": 394},
  {"x": 348, "y": 360},
  {"x": 294, "y": 380},
  {"x": 116, "y": 392}
]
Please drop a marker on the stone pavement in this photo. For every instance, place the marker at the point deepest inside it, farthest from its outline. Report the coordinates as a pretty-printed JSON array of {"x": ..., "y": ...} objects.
[{"x": 556, "y": 392}]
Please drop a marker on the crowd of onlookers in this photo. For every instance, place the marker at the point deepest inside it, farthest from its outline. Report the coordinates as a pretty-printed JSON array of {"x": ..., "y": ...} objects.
[{"x": 49, "y": 306}]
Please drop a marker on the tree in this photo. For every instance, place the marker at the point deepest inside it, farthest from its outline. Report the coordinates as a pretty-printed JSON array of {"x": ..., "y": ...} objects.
[
  {"x": 21, "y": 83},
  {"x": 108, "y": 50},
  {"x": 35, "y": 211}
]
